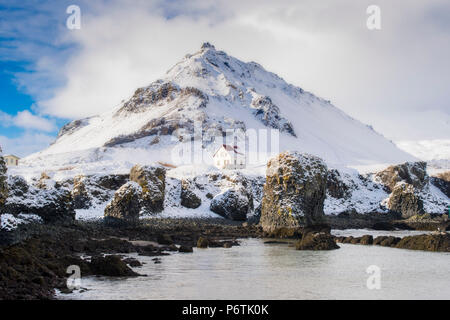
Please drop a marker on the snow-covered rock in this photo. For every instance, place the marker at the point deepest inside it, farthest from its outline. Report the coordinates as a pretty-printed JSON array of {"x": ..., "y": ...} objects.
[
  {"x": 126, "y": 204},
  {"x": 52, "y": 205},
  {"x": 404, "y": 200},
  {"x": 152, "y": 180},
  {"x": 3, "y": 183},
  {"x": 294, "y": 191},
  {"x": 232, "y": 204}
]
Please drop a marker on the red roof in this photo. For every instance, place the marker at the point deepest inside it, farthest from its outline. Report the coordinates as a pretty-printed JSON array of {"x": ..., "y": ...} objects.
[{"x": 230, "y": 148}]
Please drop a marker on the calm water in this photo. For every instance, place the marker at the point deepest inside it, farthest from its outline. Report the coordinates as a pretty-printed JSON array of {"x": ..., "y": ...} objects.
[{"x": 256, "y": 270}]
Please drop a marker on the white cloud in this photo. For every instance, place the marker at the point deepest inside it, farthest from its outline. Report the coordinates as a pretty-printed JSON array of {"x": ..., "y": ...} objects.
[
  {"x": 26, "y": 120},
  {"x": 388, "y": 78},
  {"x": 25, "y": 144}
]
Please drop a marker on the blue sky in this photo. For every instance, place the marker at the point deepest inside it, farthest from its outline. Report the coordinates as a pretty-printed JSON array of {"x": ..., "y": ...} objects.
[{"x": 395, "y": 79}]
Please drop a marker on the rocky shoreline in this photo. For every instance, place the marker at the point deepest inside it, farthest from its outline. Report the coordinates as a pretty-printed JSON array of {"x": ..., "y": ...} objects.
[{"x": 34, "y": 258}]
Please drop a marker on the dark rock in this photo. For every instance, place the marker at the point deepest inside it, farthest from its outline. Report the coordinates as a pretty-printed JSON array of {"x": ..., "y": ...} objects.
[
  {"x": 227, "y": 244},
  {"x": 132, "y": 262},
  {"x": 185, "y": 249},
  {"x": 51, "y": 204},
  {"x": 294, "y": 192},
  {"x": 366, "y": 240},
  {"x": 428, "y": 242},
  {"x": 404, "y": 200},
  {"x": 348, "y": 239},
  {"x": 165, "y": 239},
  {"x": 382, "y": 225},
  {"x": 81, "y": 199},
  {"x": 202, "y": 243},
  {"x": 152, "y": 180},
  {"x": 3, "y": 182},
  {"x": 188, "y": 198},
  {"x": 336, "y": 186},
  {"x": 111, "y": 266},
  {"x": 317, "y": 241},
  {"x": 413, "y": 173},
  {"x": 442, "y": 181},
  {"x": 377, "y": 241},
  {"x": 389, "y": 241},
  {"x": 231, "y": 204},
  {"x": 126, "y": 204}
]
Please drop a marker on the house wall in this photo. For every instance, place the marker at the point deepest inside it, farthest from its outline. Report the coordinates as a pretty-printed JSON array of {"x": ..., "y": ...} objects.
[
  {"x": 225, "y": 160},
  {"x": 11, "y": 161}
]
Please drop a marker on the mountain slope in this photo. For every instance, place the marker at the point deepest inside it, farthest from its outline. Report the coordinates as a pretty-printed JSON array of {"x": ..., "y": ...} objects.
[{"x": 214, "y": 92}]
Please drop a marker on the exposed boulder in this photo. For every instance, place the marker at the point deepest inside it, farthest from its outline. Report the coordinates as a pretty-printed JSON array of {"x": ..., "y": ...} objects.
[
  {"x": 110, "y": 181},
  {"x": 185, "y": 249},
  {"x": 294, "y": 191},
  {"x": 404, "y": 200},
  {"x": 202, "y": 243},
  {"x": 442, "y": 181},
  {"x": 152, "y": 180},
  {"x": 52, "y": 205},
  {"x": 390, "y": 241},
  {"x": 111, "y": 266},
  {"x": 126, "y": 204},
  {"x": 3, "y": 182},
  {"x": 428, "y": 242},
  {"x": 93, "y": 190},
  {"x": 317, "y": 241},
  {"x": 413, "y": 173},
  {"x": 231, "y": 204},
  {"x": 188, "y": 197},
  {"x": 80, "y": 195}
]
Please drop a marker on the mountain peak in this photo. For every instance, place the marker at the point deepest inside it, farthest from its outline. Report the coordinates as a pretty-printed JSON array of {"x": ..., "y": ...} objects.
[{"x": 207, "y": 45}]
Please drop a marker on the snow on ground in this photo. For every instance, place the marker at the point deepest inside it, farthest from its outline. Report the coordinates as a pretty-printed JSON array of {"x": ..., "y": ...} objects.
[
  {"x": 94, "y": 213},
  {"x": 427, "y": 149},
  {"x": 9, "y": 222}
]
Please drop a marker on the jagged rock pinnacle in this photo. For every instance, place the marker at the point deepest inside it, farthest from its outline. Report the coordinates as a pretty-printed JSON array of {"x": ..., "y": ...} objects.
[{"x": 207, "y": 45}]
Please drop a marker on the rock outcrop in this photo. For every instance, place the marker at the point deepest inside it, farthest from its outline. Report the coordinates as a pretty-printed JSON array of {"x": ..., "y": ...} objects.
[
  {"x": 404, "y": 200},
  {"x": 317, "y": 241},
  {"x": 52, "y": 205},
  {"x": 413, "y": 173},
  {"x": 93, "y": 190},
  {"x": 111, "y": 266},
  {"x": 81, "y": 198},
  {"x": 294, "y": 191},
  {"x": 126, "y": 204},
  {"x": 232, "y": 204},
  {"x": 152, "y": 180},
  {"x": 442, "y": 182},
  {"x": 3, "y": 182},
  {"x": 189, "y": 198},
  {"x": 336, "y": 187},
  {"x": 428, "y": 242}
]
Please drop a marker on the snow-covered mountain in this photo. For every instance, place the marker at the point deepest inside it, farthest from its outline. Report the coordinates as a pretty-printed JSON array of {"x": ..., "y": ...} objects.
[{"x": 214, "y": 92}]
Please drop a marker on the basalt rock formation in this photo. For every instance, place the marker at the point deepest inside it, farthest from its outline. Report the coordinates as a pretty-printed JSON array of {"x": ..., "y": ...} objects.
[{"x": 294, "y": 192}]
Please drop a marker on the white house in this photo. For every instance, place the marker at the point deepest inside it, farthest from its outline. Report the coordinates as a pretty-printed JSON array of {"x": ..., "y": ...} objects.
[
  {"x": 11, "y": 160},
  {"x": 228, "y": 157}
]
